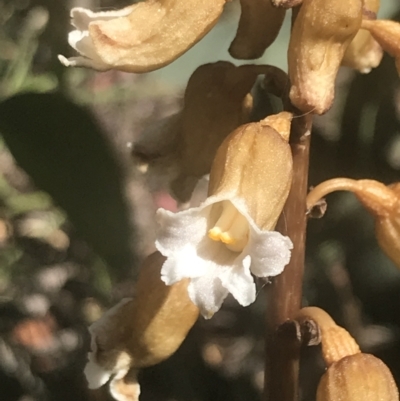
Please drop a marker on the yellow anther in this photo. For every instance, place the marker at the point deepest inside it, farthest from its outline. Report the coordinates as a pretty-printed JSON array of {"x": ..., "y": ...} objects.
[
  {"x": 231, "y": 228},
  {"x": 215, "y": 233}
]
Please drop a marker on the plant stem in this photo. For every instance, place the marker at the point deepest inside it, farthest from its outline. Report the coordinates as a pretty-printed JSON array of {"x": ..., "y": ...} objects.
[{"x": 284, "y": 294}]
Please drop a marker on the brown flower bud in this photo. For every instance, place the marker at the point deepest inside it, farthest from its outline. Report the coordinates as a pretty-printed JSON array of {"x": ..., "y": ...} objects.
[
  {"x": 382, "y": 201},
  {"x": 141, "y": 331},
  {"x": 259, "y": 25},
  {"x": 142, "y": 37},
  {"x": 387, "y": 34},
  {"x": 360, "y": 377},
  {"x": 320, "y": 35}
]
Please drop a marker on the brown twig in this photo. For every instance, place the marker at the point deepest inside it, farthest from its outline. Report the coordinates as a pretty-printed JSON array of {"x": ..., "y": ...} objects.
[{"x": 284, "y": 295}]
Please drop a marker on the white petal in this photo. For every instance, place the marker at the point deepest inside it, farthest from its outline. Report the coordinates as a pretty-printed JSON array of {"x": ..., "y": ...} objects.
[
  {"x": 208, "y": 294},
  {"x": 270, "y": 253},
  {"x": 83, "y": 62},
  {"x": 239, "y": 282},
  {"x": 95, "y": 374},
  {"x": 176, "y": 230},
  {"x": 81, "y": 17},
  {"x": 185, "y": 263},
  {"x": 125, "y": 387}
]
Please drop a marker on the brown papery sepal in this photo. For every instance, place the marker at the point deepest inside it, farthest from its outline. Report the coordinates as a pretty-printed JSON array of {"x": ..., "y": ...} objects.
[{"x": 259, "y": 25}]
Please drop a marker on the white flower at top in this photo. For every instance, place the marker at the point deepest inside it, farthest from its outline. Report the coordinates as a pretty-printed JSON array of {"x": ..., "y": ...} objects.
[
  {"x": 220, "y": 244},
  {"x": 141, "y": 37}
]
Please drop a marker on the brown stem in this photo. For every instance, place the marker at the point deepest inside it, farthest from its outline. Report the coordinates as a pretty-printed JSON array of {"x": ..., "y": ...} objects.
[{"x": 284, "y": 295}]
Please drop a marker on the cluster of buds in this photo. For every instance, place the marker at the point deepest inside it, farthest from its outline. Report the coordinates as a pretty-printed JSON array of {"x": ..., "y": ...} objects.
[
  {"x": 351, "y": 375},
  {"x": 325, "y": 35},
  {"x": 381, "y": 201}
]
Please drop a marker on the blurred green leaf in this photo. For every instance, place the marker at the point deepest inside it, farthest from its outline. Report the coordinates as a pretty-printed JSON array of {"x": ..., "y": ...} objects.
[{"x": 62, "y": 148}]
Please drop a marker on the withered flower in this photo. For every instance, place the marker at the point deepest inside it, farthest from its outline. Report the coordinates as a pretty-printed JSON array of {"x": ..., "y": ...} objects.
[
  {"x": 142, "y": 37},
  {"x": 219, "y": 244},
  {"x": 139, "y": 332},
  {"x": 259, "y": 25},
  {"x": 320, "y": 35},
  {"x": 382, "y": 201}
]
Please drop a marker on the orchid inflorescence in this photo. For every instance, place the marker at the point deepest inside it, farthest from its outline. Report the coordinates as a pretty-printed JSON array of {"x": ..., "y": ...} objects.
[{"x": 208, "y": 251}]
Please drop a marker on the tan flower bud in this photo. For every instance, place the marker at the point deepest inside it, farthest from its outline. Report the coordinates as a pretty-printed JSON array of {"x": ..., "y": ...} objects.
[
  {"x": 387, "y": 34},
  {"x": 141, "y": 331},
  {"x": 259, "y": 25},
  {"x": 320, "y": 35},
  {"x": 360, "y": 377},
  {"x": 253, "y": 156},
  {"x": 336, "y": 342},
  {"x": 142, "y": 37},
  {"x": 382, "y": 201}
]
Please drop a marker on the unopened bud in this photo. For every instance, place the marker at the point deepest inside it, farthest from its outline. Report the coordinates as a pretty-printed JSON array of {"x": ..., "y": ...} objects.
[
  {"x": 360, "y": 377},
  {"x": 320, "y": 35}
]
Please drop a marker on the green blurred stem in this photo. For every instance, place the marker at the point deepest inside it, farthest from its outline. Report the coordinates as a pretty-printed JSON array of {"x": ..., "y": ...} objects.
[{"x": 285, "y": 293}]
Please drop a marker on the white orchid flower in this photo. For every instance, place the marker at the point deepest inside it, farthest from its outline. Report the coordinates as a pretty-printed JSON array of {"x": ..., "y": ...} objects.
[
  {"x": 221, "y": 243},
  {"x": 142, "y": 37}
]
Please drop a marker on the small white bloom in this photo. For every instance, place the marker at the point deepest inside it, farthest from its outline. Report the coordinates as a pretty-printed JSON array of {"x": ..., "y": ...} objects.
[
  {"x": 217, "y": 267},
  {"x": 142, "y": 37},
  {"x": 82, "y": 42},
  {"x": 229, "y": 237}
]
